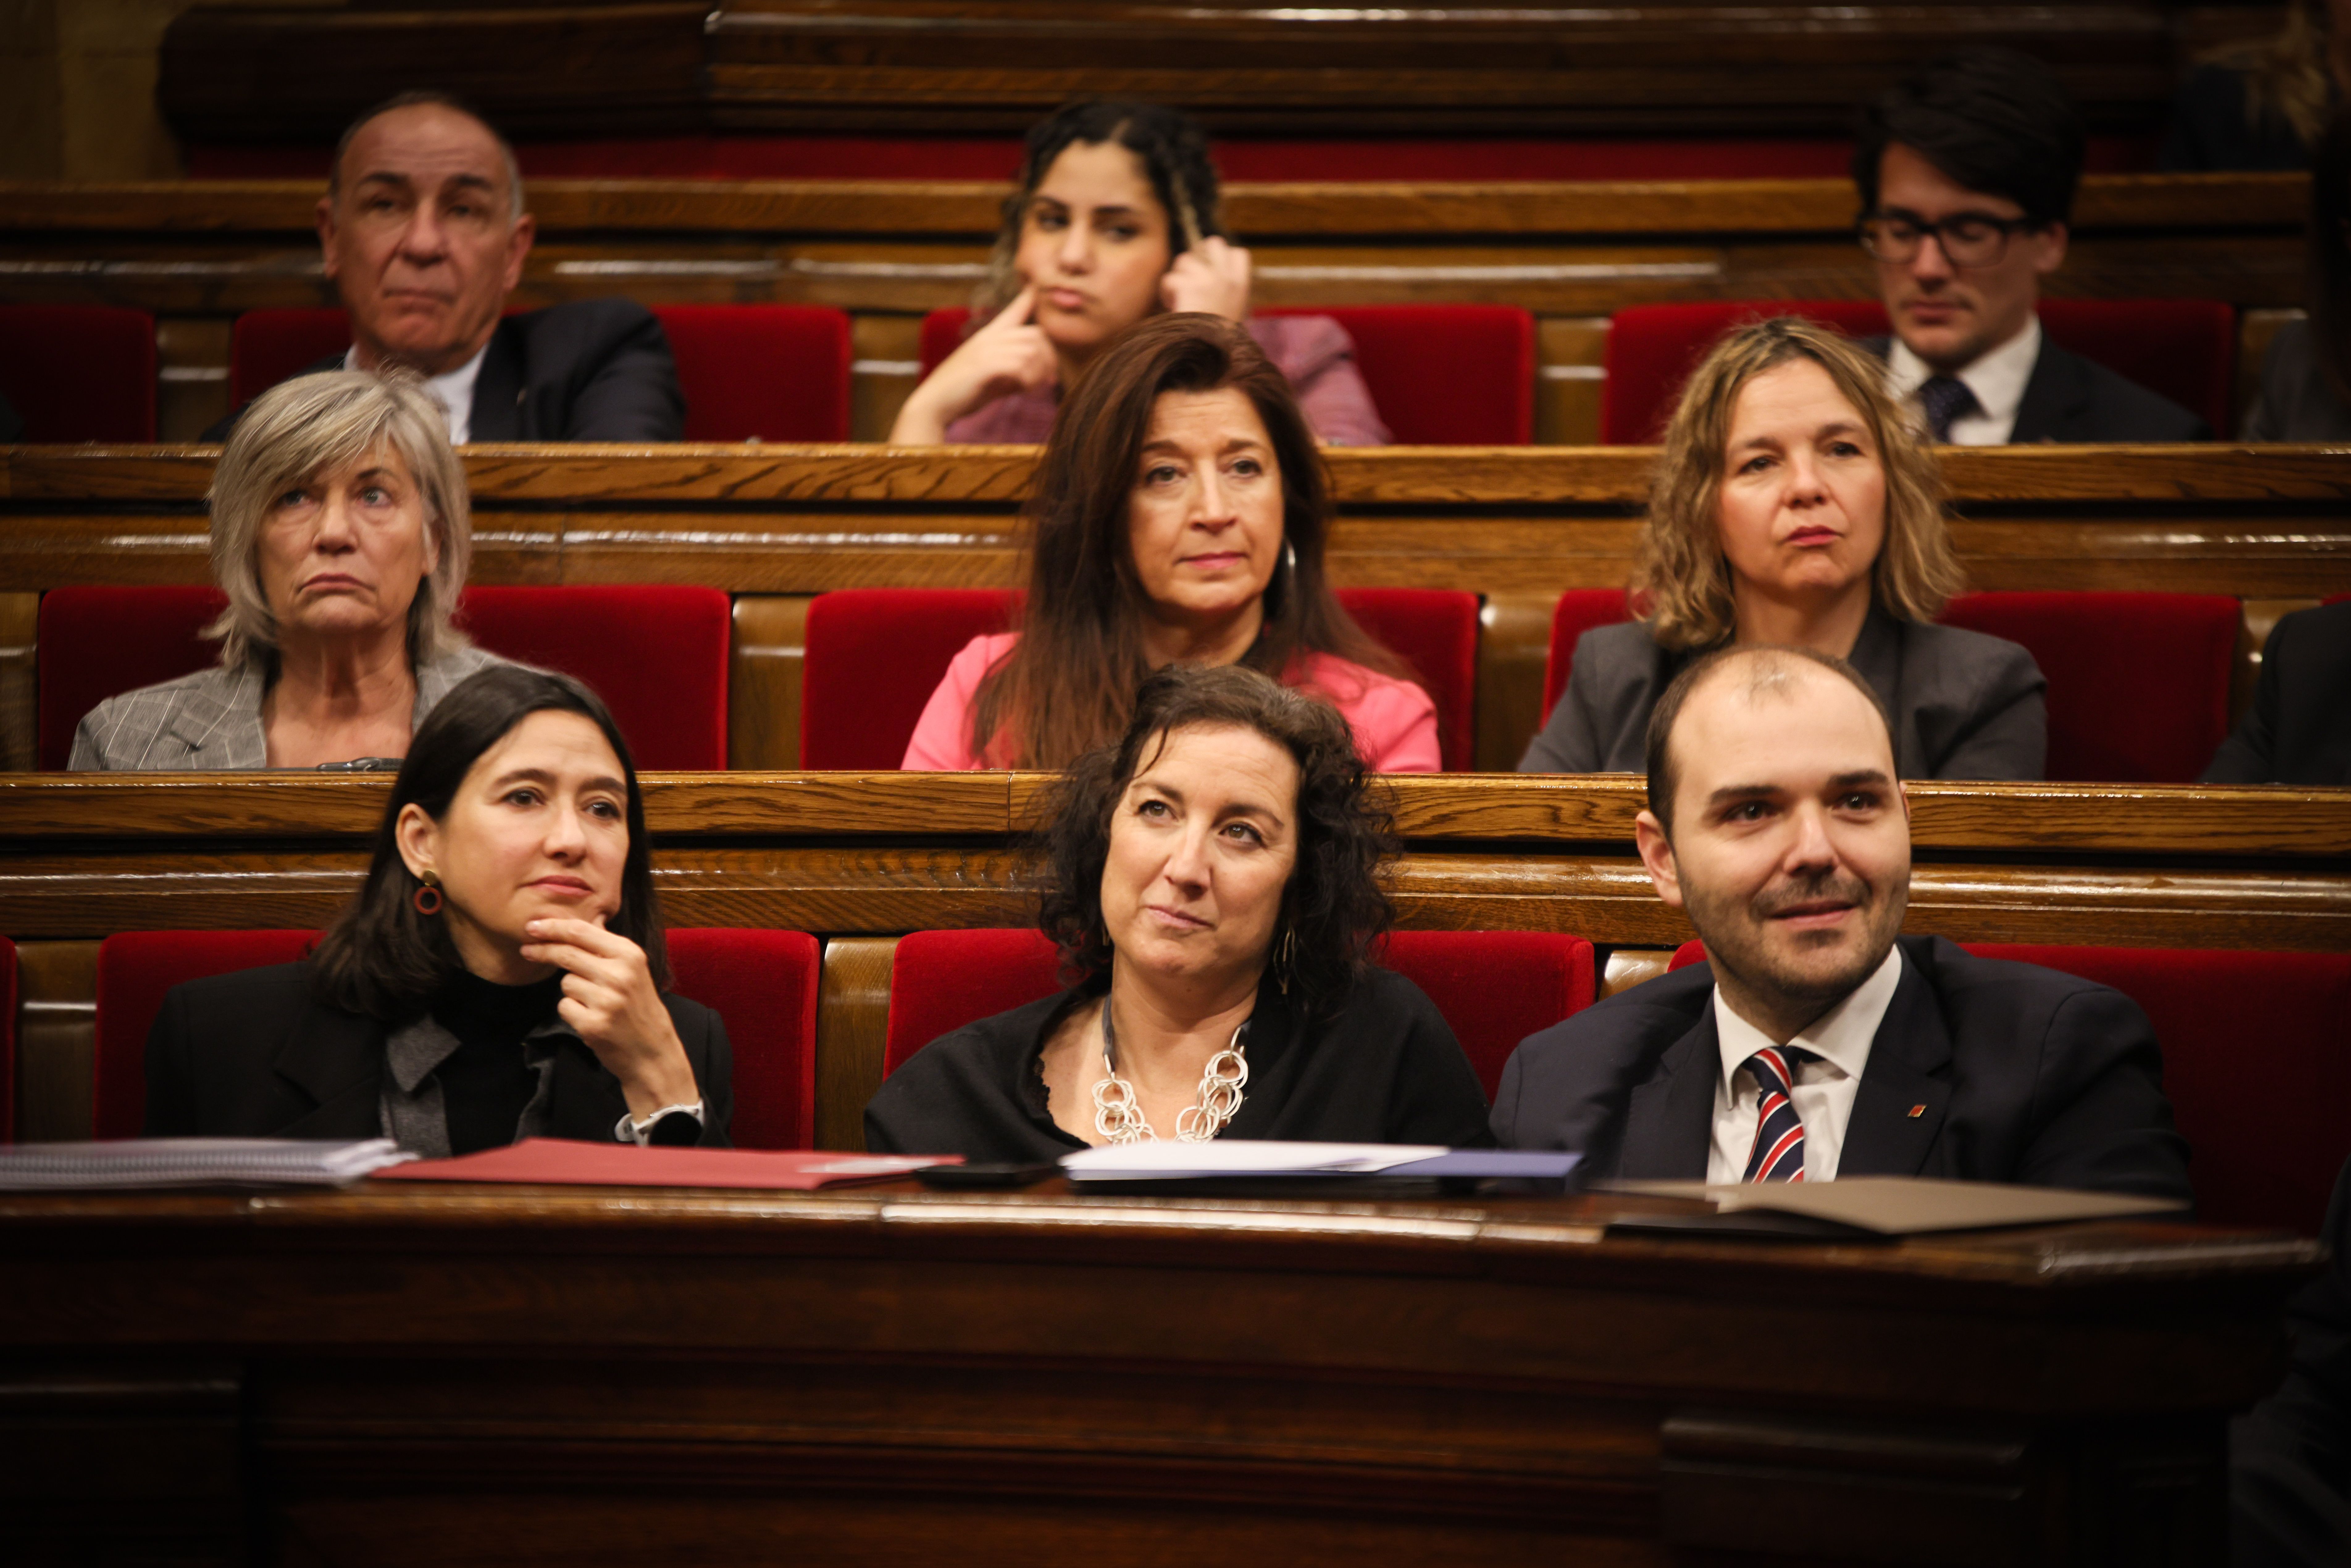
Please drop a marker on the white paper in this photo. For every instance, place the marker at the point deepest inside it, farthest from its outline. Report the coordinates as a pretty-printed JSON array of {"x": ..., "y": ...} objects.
[
  {"x": 191, "y": 1162},
  {"x": 1166, "y": 1161}
]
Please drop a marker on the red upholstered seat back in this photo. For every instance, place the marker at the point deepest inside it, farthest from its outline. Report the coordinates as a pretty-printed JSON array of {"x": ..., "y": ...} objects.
[
  {"x": 266, "y": 347},
  {"x": 942, "y": 980},
  {"x": 2184, "y": 349},
  {"x": 876, "y": 654},
  {"x": 655, "y": 654},
  {"x": 135, "y": 968},
  {"x": 1496, "y": 988},
  {"x": 1441, "y": 375},
  {"x": 1435, "y": 630},
  {"x": 98, "y": 643},
  {"x": 764, "y": 373},
  {"x": 2139, "y": 682},
  {"x": 79, "y": 372},
  {"x": 763, "y": 986},
  {"x": 874, "y": 657},
  {"x": 2256, "y": 1063},
  {"x": 1579, "y": 610}
]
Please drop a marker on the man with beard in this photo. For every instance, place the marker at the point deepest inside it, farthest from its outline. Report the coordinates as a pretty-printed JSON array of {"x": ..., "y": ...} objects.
[{"x": 1818, "y": 1041}]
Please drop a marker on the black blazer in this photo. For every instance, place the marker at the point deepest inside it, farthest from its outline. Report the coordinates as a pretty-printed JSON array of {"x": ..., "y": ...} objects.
[
  {"x": 2027, "y": 1076},
  {"x": 1964, "y": 705},
  {"x": 1386, "y": 1070},
  {"x": 2071, "y": 399},
  {"x": 2298, "y": 729},
  {"x": 593, "y": 369},
  {"x": 2290, "y": 1459},
  {"x": 255, "y": 1055}
]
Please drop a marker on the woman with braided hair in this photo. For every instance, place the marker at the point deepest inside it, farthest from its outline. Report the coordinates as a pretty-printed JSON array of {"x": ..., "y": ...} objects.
[{"x": 1117, "y": 217}]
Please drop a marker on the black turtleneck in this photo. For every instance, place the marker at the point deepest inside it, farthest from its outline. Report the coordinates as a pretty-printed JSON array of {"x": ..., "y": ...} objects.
[{"x": 485, "y": 1084}]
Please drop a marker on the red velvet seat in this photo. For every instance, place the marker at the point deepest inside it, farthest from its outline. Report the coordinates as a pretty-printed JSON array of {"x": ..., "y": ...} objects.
[
  {"x": 2184, "y": 349},
  {"x": 770, "y": 373},
  {"x": 2139, "y": 682},
  {"x": 875, "y": 655},
  {"x": 1441, "y": 375},
  {"x": 763, "y": 985},
  {"x": 135, "y": 968},
  {"x": 79, "y": 372},
  {"x": 656, "y": 654},
  {"x": 764, "y": 372},
  {"x": 1579, "y": 610},
  {"x": 1495, "y": 987},
  {"x": 2255, "y": 1065}
]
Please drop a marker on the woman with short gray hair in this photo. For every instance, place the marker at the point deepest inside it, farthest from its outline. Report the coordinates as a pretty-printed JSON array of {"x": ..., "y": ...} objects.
[{"x": 340, "y": 534}]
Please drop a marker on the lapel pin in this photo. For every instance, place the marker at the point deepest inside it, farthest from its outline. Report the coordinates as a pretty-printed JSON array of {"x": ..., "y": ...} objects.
[{"x": 1918, "y": 1111}]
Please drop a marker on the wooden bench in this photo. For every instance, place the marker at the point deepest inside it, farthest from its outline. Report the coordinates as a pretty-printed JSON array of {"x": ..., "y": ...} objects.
[
  {"x": 197, "y": 254},
  {"x": 860, "y": 860},
  {"x": 776, "y": 525}
]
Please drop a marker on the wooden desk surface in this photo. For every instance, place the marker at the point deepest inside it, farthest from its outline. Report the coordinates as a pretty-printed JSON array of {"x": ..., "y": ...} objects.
[{"x": 460, "y": 1374}]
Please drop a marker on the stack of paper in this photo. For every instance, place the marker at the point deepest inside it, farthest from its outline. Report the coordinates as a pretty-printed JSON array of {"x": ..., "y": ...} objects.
[
  {"x": 1257, "y": 1160},
  {"x": 191, "y": 1162}
]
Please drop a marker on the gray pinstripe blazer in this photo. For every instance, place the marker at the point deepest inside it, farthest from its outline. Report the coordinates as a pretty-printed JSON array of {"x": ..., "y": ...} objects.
[{"x": 211, "y": 721}]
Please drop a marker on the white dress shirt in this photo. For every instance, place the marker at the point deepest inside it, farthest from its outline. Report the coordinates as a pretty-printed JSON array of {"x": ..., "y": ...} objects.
[
  {"x": 454, "y": 392},
  {"x": 1823, "y": 1091},
  {"x": 1997, "y": 378}
]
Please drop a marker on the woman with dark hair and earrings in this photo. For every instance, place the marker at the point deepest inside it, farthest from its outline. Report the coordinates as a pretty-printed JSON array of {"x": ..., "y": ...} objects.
[
  {"x": 1212, "y": 881},
  {"x": 1178, "y": 518},
  {"x": 499, "y": 977}
]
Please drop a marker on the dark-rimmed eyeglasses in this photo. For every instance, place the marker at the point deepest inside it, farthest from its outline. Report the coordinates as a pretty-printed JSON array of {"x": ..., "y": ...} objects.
[{"x": 1970, "y": 239}]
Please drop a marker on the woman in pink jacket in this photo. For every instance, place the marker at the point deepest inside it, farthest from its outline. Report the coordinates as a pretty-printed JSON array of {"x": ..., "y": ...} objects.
[{"x": 1177, "y": 519}]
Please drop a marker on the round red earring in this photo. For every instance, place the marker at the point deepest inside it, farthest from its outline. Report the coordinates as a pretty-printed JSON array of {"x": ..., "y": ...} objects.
[{"x": 428, "y": 897}]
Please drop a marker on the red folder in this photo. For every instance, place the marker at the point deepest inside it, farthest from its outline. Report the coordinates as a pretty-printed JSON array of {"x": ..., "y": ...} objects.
[{"x": 561, "y": 1162}]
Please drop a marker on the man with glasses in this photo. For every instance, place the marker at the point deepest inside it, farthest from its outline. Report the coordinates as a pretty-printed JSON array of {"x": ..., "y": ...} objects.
[{"x": 1967, "y": 172}]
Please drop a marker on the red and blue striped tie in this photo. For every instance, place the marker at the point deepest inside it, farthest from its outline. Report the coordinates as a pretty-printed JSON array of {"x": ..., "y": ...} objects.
[{"x": 1779, "y": 1152}]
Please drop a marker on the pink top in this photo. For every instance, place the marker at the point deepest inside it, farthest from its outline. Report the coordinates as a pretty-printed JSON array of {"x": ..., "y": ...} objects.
[
  {"x": 1313, "y": 352},
  {"x": 1394, "y": 721}
]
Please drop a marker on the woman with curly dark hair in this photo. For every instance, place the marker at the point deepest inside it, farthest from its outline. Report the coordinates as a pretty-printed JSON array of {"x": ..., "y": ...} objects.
[{"x": 1212, "y": 879}]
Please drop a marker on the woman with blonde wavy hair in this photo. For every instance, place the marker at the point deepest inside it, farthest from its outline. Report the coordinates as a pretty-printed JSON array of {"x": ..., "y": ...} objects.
[
  {"x": 340, "y": 534},
  {"x": 1795, "y": 504}
]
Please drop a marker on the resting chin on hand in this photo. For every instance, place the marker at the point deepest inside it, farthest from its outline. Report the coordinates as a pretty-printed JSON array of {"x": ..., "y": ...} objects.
[
  {"x": 609, "y": 997},
  {"x": 1011, "y": 354}
]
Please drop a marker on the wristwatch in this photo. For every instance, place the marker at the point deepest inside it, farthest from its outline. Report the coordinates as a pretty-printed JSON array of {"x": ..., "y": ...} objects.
[{"x": 672, "y": 1126}]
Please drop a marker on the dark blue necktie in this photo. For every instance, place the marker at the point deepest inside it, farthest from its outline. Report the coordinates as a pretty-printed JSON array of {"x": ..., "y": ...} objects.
[
  {"x": 1945, "y": 398},
  {"x": 1778, "y": 1151}
]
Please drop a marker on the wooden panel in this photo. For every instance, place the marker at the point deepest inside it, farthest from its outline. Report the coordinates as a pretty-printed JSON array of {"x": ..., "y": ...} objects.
[
  {"x": 57, "y": 1040},
  {"x": 852, "y": 1033},
  {"x": 1513, "y": 644},
  {"x": 766, "y": 658},
  {"x": 20, "y": 708}
]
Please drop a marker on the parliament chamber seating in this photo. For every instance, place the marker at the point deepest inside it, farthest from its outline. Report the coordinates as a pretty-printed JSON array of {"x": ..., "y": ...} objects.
[
  {"x": 9, "y": 986},
  {"x": 749, "y": 373},
  {"x": 1441, "y": 375},
  {"x": 79, "y": 372},
  {"x": 875, "y": 654},
  {"x": 2255, "y": 1065},
  {"x": 2184, "y": 349},
  {"x": 2139, "y": 682},
  {"x": 657, "y": 654},
  {"x": 1494, "y": 988},
  {"x": 762, "y": 984}
]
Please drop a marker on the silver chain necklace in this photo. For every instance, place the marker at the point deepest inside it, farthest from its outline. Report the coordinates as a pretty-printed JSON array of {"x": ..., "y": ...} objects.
[{"x": 1118, "y": 1115}]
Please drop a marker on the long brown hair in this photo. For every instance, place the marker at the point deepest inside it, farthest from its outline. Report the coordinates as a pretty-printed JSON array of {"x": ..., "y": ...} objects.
[
  {"x": 1068, "y": 684},
  {"x": 1682, "y": 582},
  {"x": 2287, "y": 78}
]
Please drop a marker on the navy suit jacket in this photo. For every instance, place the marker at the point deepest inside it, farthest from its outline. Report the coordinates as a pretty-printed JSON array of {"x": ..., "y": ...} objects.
[
  {"x": 2074, "y": 401},
  {"x": 2297, "y": 729},
  {"x": 255, "y": 1054},
  {"x": 593, "y": 369},
  {"x": 2026, "y": 1075}
]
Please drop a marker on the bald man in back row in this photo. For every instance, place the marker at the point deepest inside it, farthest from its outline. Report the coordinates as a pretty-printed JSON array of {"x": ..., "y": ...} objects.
[{"x": 1817, "y": 1041}]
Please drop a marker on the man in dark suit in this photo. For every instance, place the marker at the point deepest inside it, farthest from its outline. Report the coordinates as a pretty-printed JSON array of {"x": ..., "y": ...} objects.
[
  {"x": 2297, "y": 730},
  {"x": 1967, "y": 172},
  {"x": 424, "y": 235},
  {"x": 1816, "y": 1042}
]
